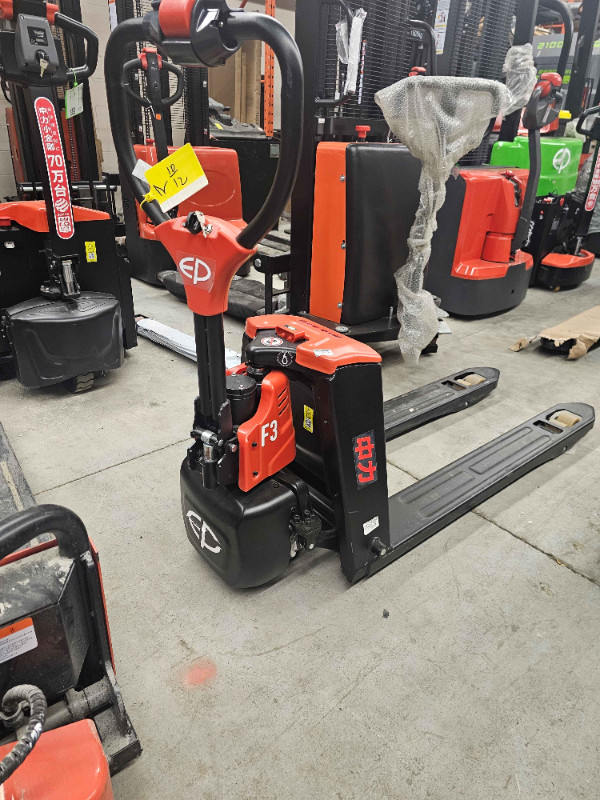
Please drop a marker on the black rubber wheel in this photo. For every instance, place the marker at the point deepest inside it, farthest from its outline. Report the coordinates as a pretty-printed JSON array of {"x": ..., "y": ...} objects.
[{"x": 80, "y": 383}]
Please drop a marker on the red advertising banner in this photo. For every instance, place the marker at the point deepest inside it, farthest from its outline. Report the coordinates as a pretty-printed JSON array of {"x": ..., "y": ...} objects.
[
  {"x": 55, "y": 164},
  {"x": 590, "y": 203}
]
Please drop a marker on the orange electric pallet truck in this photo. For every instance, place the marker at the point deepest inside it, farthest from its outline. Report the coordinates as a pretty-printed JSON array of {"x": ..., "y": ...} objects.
[
  {"x": 289, "y": 449},
  {"x": 64, "y": 729}
]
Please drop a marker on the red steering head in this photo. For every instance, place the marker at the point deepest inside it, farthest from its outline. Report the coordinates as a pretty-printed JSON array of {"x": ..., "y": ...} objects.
[{"x": 207, "y": 255}]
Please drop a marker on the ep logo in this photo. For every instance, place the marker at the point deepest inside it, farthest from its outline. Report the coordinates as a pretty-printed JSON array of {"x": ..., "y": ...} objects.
[
  {"x": 208, "y": 540},
  {"x": 195, "y": 270},
  {"x": 562, "y": 159}
]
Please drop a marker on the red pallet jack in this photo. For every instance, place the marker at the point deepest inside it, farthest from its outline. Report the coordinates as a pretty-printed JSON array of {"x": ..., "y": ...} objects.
[
  {"x": 560, "y": 227},
  {"x": 560, "y": 224},
  {"x": 477, "y": 264},
  {"x": 64, "y": 729},
  {"x": 289, "y": 450}
]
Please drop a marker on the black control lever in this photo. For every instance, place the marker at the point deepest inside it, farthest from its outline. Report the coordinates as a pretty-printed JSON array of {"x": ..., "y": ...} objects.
[
  {"x": 545, "y": 102},
  {"x": 593, "y": 132},
  {"x": 148, "y": 61},
  {"x": 542, "y": 109},
  {"x": 75, "y": 28},
  {"x": 153, "y": 64}
]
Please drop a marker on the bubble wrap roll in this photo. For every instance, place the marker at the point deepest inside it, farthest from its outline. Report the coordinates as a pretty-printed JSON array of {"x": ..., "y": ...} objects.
[
  {"x": 521, "y": 76},
  {"x": 439, "y": 119}
]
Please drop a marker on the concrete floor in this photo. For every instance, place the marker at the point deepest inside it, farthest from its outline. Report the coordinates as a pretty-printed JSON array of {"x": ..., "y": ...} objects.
[{"x": 482, "y": 683}]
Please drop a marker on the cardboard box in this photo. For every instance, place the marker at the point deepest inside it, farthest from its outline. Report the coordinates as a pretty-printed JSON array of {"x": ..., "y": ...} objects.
[
  {"x": 574, "y": 336},
  {"x": 237, "y": 84}
]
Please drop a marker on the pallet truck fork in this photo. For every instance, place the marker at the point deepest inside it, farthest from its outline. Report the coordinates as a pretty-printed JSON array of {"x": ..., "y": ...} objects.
[
  {"x": 289, "y": 448},
  {"x": 56, "y": 664}
]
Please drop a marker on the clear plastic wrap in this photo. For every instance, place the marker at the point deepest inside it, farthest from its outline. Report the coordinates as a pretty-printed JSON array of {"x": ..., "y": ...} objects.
[
  {"x": 341, "y": 40},
  {"x": 583, "y": 177},
  {"x": 354, "y": 49},
  {"x": 439, "y": 119},
  {"x": 521, "y": 76}
]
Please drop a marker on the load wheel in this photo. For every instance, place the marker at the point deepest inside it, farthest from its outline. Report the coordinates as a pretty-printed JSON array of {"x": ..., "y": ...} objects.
[
  {"x": 80, "y": 383},
  {"x": 472, "y": 379},
  {"x": 565, "y": 419}
]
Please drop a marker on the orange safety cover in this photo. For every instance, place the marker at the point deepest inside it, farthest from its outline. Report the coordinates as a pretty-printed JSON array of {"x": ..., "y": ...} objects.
[
  {"x": 568, "y": 261},
  {"x": 6, "y": 9},
  {"x": 267, "y": 440},
  {"x": 206, "y": 263},
  {"x": 31, "y": 214},
  {"x": 51, "y": 10},
  {"x": 221, "y": 198},
  {"x": 328, "y": 262},
  {"x": 479, "y": 270},
  {"x": 319, "y": 348},
  {"x": 488, "y": 223},
  {"x": 175, "y": 18},
  {"x": 66, "y": 764}
]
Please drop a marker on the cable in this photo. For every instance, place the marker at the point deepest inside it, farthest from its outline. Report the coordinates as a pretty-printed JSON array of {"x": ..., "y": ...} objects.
[{"x": 36, "y": 701}]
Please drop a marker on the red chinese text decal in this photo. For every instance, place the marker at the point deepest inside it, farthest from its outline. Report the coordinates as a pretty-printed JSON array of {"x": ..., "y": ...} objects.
[
  {"x": 55, "y": 164},
  {"x": 590, "y": 203},
  {"x": 365, "y": 459}
]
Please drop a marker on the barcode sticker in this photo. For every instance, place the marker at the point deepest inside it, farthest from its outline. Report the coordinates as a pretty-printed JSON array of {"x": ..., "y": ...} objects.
[
  {"x": 16, "y": 639},
  {"x": 370, "y": 526}
]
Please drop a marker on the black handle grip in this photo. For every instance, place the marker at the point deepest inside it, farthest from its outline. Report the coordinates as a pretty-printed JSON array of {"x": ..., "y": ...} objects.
[
  {"x": 19, "y": 529},
  {"x": 587, "y": 113},
  {"x": 136, "y": 64},
  {"x": 244, "y": 26},
  {"x": 430, "y": 40},
  {"x": 178, "y": 72},
  {"x": 239, "y": 26},
  {"x": 91, "y": 52},
  {"x": 562, "y": 10}
]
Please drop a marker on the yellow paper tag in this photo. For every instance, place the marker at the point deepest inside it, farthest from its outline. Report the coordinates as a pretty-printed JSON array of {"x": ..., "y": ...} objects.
[
  {"x": 91, "y": 253},
  {"x": 309, "y": 417},
  {"x": 176, "y": 178}
]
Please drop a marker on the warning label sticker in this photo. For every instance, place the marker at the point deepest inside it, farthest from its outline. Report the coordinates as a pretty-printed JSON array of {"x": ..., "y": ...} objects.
[
  {"x": 91, "y": 254},
  {"x": 16, "y": 639},
  {"x": 309, "y": 419},
  {"x": 441, "y": 25}
]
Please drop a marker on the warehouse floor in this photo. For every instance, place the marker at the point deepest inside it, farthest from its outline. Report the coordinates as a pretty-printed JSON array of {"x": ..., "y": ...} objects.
[{"x": 482, "y": 682}]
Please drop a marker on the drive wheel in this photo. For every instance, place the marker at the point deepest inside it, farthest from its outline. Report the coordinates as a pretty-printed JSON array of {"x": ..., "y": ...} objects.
[{"x": 80, "y": 383}]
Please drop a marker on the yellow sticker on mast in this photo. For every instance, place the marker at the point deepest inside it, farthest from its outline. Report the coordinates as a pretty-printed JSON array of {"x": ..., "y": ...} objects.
[{"x": 175, "y": 178}]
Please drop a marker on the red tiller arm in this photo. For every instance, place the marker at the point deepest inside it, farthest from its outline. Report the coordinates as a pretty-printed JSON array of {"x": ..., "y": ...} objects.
[{"x": 207, "y": 264}]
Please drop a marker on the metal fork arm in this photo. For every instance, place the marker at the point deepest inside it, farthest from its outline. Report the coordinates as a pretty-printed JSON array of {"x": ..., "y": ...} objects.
[{"x": 421, "y": 510}]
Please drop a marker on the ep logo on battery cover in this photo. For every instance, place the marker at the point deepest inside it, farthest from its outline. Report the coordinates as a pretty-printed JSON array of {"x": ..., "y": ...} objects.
[
  {"x": 195, "y": 270},
  {"x": 208, "y": 540},
  {"x": 268, "y": 431}
]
